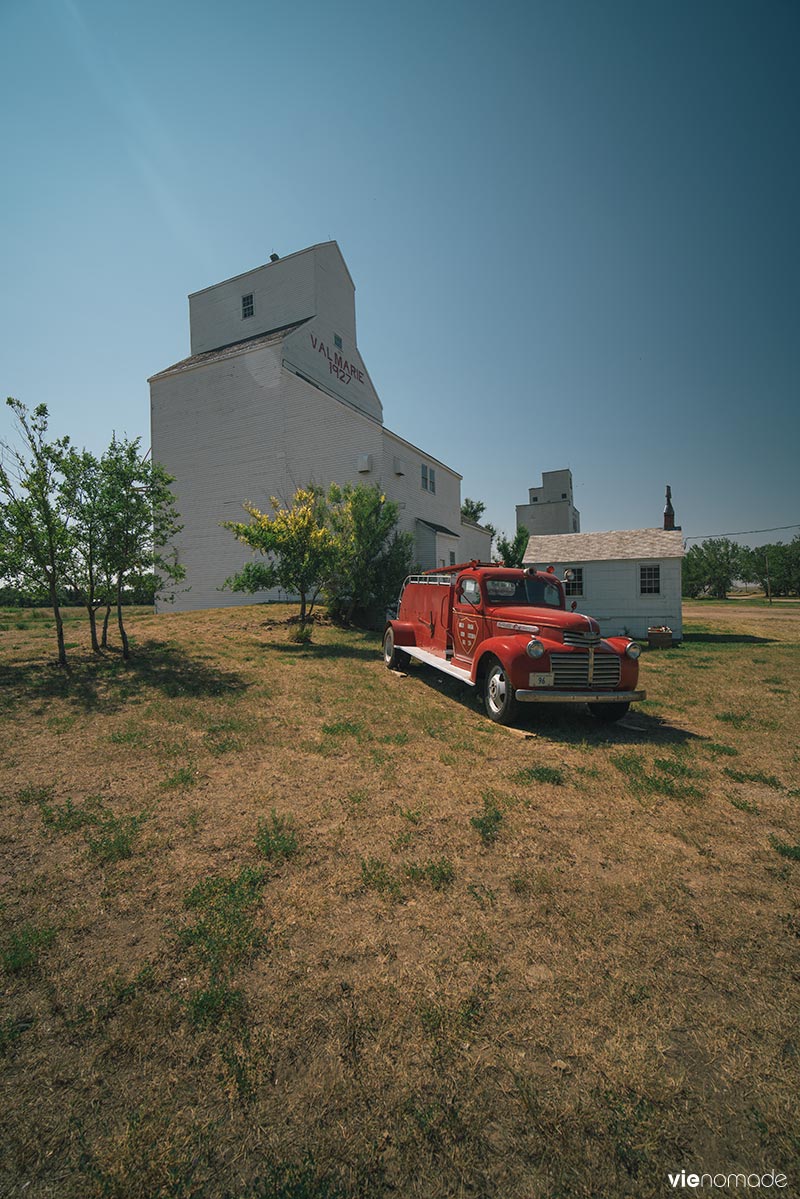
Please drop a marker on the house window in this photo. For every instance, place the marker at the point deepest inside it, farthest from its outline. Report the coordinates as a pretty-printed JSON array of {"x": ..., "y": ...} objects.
[
  {"x": 431, "y": 480},
  {"x": 452, "y": 557},
  {"x": 574, "y": 586},
  {"x": 337, "y": 341},
  {"x": 248, "y": 307},
  {"x": 428, "y": 478},
  {"x": 649, "y": 580},
  {"x": 424, "y": 477}
]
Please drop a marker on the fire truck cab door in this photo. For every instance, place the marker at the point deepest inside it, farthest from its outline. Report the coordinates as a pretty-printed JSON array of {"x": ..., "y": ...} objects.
[{"x": 468, "y": 620}]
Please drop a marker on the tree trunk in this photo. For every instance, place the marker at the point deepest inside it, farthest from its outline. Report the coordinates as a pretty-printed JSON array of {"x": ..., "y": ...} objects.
[
  {"x": 93, "y": 628},
  {"x": 104, "y": 640},
  {"x": 125, "y": 650},
  {"x": 62, "y": 653}
]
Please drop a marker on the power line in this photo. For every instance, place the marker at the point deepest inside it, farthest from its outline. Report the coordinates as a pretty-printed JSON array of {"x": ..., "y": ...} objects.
[{"x": 745, "y": 533}]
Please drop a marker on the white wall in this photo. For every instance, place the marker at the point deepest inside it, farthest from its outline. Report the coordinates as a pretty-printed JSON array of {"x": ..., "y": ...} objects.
[
  {"x": 245, "y": 429},
  {"x": 475, "y": 543},
  {"x": 611, "y": 595},
  {"x": 442, "y": 507},
  {"x": 283, "y": 292}
]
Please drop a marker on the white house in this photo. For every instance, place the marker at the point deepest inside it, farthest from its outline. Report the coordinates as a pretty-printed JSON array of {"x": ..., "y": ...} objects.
[
  {"x": 276, "y": 396},
  {"x": 629, "y": 580}
]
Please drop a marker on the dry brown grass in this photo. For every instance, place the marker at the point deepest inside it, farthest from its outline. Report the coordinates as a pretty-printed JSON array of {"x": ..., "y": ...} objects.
[{"x": 599, "y": 992}]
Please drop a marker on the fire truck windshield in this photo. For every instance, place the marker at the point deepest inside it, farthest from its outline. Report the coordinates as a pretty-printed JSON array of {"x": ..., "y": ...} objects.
[{"x": 528, "y": 593}]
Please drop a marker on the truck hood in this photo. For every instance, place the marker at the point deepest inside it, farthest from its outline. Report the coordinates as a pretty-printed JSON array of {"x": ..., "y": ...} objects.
[{"x": 546, "y": 619}]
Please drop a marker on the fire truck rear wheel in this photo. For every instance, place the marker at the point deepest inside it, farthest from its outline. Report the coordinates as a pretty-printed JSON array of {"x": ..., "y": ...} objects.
[
  {"x": 395, "y": 659},
  {"x": 498, "y": 694},
  {"x": 608, "y": 712}
]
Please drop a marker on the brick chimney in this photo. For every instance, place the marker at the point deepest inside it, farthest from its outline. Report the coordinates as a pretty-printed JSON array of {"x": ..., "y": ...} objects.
[{"x": 669, "y": 511}]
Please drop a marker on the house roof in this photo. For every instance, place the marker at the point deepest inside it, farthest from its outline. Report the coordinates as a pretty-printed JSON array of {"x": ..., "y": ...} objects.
[
  {"x": 437, "y": 528},
  {"x": 230, "y": 351},
  {"x": 605, "y": 547}
]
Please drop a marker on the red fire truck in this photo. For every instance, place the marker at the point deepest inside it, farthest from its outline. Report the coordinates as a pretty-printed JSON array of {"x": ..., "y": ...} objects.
[{"x": 509, "y": 632}]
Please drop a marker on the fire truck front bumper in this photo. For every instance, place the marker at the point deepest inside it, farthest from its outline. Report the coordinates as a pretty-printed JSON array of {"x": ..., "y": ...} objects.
[{"x": 545, "y": 696}]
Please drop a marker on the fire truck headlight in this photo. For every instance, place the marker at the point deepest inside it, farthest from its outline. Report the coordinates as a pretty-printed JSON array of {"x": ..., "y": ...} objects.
[
  {"x": 534, "y": 649},
  {"x": 633, "y": 650}
]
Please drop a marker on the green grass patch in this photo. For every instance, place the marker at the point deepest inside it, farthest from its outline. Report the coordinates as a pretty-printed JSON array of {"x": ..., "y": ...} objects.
[
  {"x": 739, "y": 720},
  {"x": 754, "y": 776},
  {"x": 343, "y": 728},
  {"x": 224, "y": 934},
  {"x": 68, "y": 817},
  {"x": 662, "y": 780},
  {"x": 487, "y": 823},
  {"x": 745, "y": 806},
  {"x": 785, "y": 850},
  {"x": 439, "y": 872},
  {"x": 214, "y": 1005},
  {"x": 114, "y": 837},
  {"x": 184, "y": 776},
  {"x": 127, "y": 737},
  {"x": 37, "y": 795},
  {"x": 276, "y": 838},
  {"x": 540, "y": 774},
  {"x": 376, "y": 876},
  {"x": 20, "y": 949},
  {"x": 11, "y": 1030},
  {"x": 718, "y": 750}
]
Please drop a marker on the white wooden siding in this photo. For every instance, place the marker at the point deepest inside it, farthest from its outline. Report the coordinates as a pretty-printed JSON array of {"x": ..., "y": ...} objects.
[{"x": 611, "y": 594}]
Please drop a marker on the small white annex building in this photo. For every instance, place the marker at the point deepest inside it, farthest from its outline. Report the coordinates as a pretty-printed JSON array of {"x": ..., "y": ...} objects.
[
  {"x": 274, "y": 396},
  {"x": 629, "y": 581}
]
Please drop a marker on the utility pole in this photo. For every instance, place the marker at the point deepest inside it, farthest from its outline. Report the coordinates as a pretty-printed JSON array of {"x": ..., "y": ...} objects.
[{"x": 769, "y": 588}]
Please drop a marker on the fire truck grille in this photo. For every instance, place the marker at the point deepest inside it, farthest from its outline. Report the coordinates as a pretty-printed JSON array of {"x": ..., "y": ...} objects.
[
  {"x": 571, "y": 671},
  {"x": 583, "y": 639}
]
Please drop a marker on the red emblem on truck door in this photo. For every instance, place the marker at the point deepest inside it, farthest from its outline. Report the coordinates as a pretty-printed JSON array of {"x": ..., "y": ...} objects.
[{"x": 466, "y": 634}]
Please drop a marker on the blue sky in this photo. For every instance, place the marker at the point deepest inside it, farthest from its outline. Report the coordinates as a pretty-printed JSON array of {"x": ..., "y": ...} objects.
[{"x": 572, "y": 226}]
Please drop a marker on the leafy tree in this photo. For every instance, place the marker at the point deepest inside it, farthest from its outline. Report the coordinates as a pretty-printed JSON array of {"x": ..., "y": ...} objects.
[
  {"x": 473, "y": 510},
  {"x": 372, "y": 557},
  {"x": 35, "y": 540},
  {"x": 81, "y": 495},
  {"x": 775, "y": 567},
  {"x": 512, "y": 552},
  {"x": 711, "y": 567},
  {"x": 298, "y": 543},
  {"x": 138, "y": 517}
]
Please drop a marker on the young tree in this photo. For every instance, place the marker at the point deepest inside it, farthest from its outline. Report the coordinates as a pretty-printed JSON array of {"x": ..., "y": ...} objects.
[
  {"x": 372, "y": 557},
  {"x": 81, "y": 495},
  {"x": 138, "y": 517},
  {"x": 512, "y": 552},
  {"x": 35, "y": 539},
  {"x": 300, "y": 547}
]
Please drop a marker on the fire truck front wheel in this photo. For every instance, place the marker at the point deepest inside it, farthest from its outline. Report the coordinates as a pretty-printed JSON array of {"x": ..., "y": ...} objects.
[
  {"x": 395, "y": 659},
  {"x": 498, "y": 694}
]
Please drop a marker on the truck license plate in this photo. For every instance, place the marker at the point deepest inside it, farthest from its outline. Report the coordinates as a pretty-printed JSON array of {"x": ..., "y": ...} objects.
[{"x": 541, "y": 680}]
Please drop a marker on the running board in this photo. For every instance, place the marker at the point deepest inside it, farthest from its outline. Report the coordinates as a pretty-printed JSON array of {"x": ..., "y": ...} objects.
[{"x": 423, "y": 655}]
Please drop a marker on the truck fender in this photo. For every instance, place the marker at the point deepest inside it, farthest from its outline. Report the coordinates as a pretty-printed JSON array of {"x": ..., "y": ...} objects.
[
  {"x": 403, "y": 632},
  {"x": 505, "y": 649}
]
